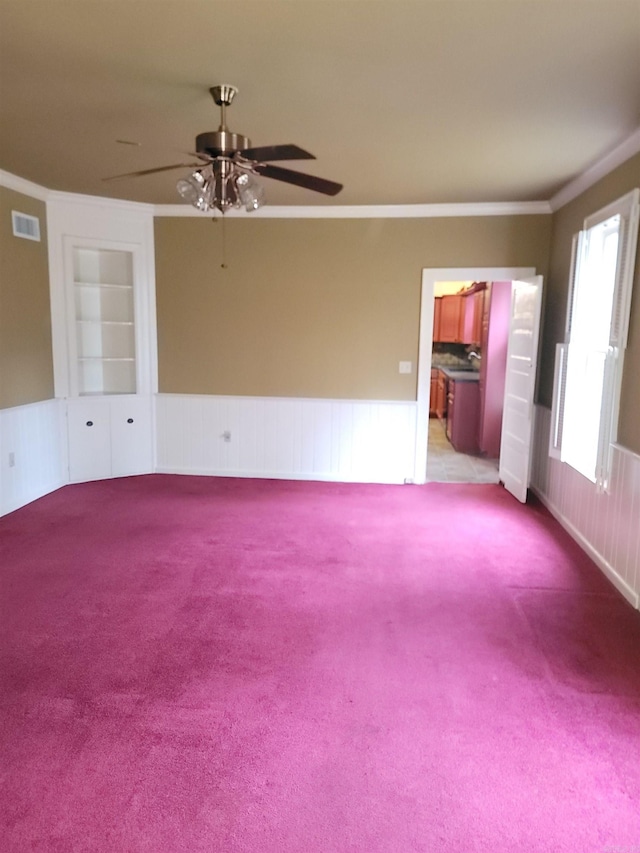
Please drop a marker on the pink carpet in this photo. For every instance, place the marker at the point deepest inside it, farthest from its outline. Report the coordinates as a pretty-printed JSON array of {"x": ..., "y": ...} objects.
[{"x": 196, "y": 664}]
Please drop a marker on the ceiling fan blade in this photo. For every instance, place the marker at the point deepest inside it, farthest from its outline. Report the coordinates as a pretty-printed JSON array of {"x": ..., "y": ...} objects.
[
  {"x": 309, "y": 182},
  {"x": 152, "y": 171},
  {"x": 276, "y": 152}
]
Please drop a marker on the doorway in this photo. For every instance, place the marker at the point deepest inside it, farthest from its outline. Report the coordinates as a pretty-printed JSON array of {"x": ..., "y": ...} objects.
[{"x": 423, "y": 421}]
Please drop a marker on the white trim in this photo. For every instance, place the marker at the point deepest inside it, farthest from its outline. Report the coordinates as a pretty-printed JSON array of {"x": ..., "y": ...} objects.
[
  {"x": 368, "y": 211},
  {"x": 606, "y": 568},
  {"x": 601, "y": 522},
  {"x": 598, "y": 170},
  {"x": 334, "y": 400},
  {"x": 101, "y": 201},
  {"x": 363, "y": 441},
  {"x": 21, "y": 185},
  {"x": 574, "y": 188},
  {"x": 35, "y": 436},
  {"x": 425, "y": 341}
]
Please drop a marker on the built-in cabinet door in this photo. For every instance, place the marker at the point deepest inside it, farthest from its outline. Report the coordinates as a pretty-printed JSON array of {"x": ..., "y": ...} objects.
[
  {"x": 89, "y": 429},
  {"x": 131, "y": 443},
  {"x": 109, "y": 437}
]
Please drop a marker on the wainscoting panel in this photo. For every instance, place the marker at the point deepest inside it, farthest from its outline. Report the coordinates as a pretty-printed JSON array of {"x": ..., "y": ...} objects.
[
  {"x": 33, "y": 452},
  {"x": 338, "y": 440},
  {"x": 606, "y": 524}
]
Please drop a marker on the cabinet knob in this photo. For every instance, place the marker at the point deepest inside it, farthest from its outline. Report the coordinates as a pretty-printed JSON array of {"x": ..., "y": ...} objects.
[
  {"x": 129, "y": 420},
  {"x": 89, "y": 423}
]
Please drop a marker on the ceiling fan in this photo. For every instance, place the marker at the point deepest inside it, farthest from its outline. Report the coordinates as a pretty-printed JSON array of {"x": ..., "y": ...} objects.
[{"x": 223, "y": 177}]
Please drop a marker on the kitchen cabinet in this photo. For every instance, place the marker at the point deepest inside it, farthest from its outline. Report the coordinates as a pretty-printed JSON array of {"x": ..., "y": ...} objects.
[
  {"x": 434, "y": 393},
  {"x": 463, "y": 412},
  {"x": 451, "y": 319},
  {"x": 473, "y": 312},
  {"x": 437, "y": 312},
  {"x": 458, "y": 317},
  {"x": 441, "y": 395}
]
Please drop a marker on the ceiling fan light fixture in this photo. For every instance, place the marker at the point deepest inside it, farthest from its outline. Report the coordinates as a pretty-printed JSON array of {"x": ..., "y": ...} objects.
[
  {"x": 192, "y": 189},
  {"x": 250, "y": 193}
]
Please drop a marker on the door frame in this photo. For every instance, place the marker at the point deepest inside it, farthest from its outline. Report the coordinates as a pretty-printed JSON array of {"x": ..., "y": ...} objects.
[{"x": 430, "y": 276}]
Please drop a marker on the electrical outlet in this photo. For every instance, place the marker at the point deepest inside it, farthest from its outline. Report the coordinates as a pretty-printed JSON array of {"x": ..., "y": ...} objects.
[
  {"x": 405, "y": 367},
  {"x": 226, "y": 435},
  {"x": 12, "y": 459}
]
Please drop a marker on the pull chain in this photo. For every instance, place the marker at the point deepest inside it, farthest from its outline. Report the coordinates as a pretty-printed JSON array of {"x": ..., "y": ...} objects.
[
  {"x": 223, "y": 235},
  {"x": 224, "y": 244}
]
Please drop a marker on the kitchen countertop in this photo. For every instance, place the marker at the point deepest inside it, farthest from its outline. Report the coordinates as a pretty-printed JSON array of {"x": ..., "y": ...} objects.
[{"x": 459, "y": 375}]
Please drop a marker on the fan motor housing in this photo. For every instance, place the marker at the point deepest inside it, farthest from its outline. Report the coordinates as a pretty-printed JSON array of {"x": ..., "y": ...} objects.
[{"x": 218, "y": 143}]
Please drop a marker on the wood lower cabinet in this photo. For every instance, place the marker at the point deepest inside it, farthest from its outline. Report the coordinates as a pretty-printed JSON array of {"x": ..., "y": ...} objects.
[
  {"x": 463, "y": 415},
  {"x": 433, "y": 397},
  {"x": 441, "y": 395}
]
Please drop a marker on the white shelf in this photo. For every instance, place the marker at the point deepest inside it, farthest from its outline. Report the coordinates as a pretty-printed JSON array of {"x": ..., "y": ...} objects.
[
  {"x": 103, "y": 284},
  {"x": 107, "y": 322},
  {"x": 105, "y": 334}
]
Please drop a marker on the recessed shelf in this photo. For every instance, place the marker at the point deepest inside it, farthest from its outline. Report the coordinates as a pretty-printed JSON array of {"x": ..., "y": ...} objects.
[{"x": 104, "y": 321}]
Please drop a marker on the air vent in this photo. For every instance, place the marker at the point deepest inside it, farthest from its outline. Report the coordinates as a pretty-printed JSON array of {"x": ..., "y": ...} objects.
[{"x": 25, "y": 226}]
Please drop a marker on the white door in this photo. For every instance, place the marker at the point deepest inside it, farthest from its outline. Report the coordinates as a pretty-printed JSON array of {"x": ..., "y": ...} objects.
[{"x": 517, "y": 417}]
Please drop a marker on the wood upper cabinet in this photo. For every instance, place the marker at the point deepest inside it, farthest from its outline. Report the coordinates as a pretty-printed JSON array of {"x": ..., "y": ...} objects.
[
  {"x": 437, "y": 311},
  {"x": 473, "y": 313},
  {"x": 451, "y": 319},
  {"x": 458, "y": 317}
]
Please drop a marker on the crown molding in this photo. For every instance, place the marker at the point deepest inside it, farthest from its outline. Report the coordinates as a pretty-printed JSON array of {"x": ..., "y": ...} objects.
[
  {"x": 614, "y": 158},
  {"x": 100, "y": 201},
  {"x": 379, "y": 211},
  {"x": 21, "y": 185},
  {"x": 573, "y": 189}
]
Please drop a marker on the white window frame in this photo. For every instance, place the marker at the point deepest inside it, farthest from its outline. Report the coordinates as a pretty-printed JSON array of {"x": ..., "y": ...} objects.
[{"x": 627, "y": 208}]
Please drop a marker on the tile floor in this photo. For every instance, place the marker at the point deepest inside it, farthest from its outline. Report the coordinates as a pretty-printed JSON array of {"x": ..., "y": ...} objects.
[{"x": 445, "y": 465}]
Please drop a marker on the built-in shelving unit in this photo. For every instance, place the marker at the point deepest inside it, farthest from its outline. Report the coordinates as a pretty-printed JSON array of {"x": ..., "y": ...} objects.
[{"x": 104, "y": 321}]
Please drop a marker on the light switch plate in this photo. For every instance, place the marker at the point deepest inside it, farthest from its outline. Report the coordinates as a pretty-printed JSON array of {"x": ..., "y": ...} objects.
[{"x": 404, "y": 367}]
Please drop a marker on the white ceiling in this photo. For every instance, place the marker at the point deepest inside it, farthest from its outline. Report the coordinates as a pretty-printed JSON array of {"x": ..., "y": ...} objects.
[{"x": 403, "y": 102}]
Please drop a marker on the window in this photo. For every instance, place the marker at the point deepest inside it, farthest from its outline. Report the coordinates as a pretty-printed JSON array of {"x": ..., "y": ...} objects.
[{"x": 589, "y": 363}]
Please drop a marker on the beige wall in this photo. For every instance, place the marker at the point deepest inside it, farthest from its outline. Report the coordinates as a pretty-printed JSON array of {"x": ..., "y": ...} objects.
[
  {"x": 312, "y": 307},
  {"x": 26, "y": 364},
  {"x": 566, "y": 222}
]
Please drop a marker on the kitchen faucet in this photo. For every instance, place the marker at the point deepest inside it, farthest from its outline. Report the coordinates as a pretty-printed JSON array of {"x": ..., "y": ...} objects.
[{"x": 474, "y": 354}]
